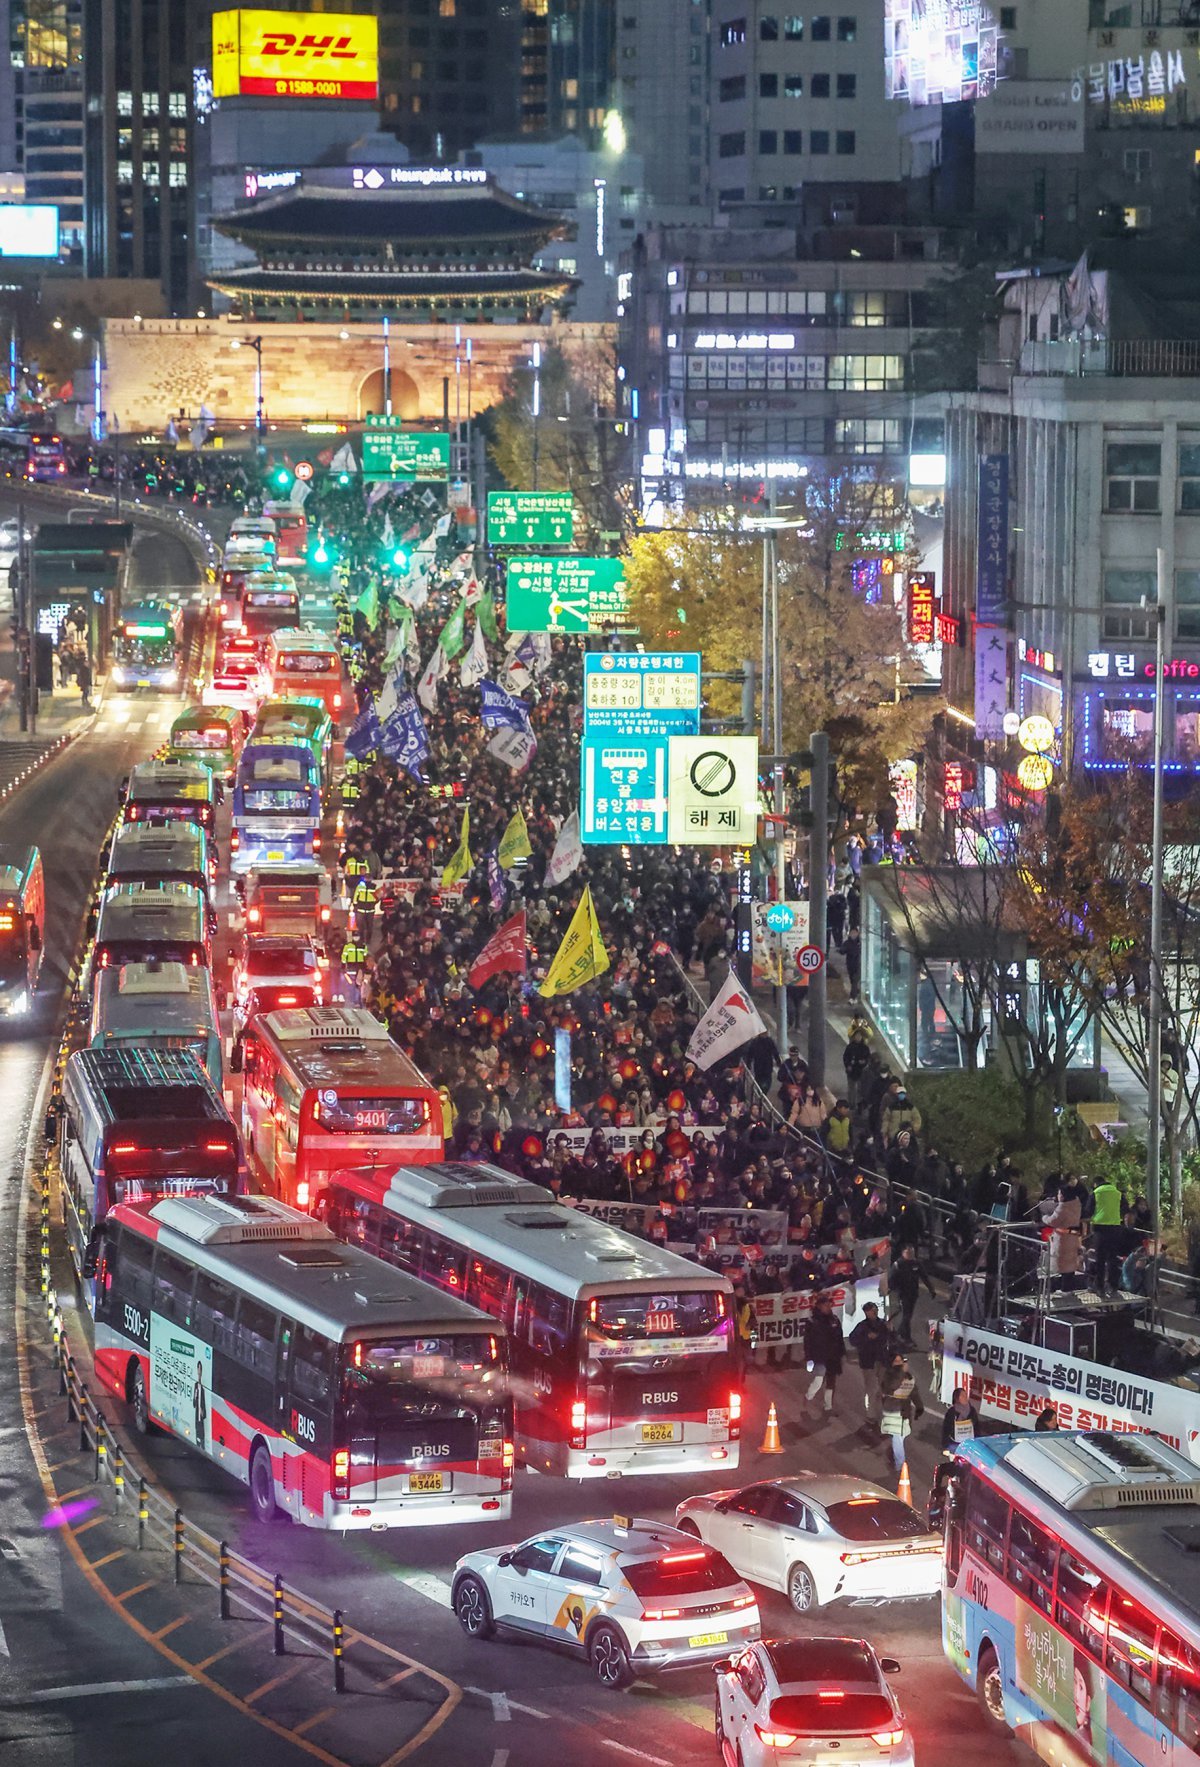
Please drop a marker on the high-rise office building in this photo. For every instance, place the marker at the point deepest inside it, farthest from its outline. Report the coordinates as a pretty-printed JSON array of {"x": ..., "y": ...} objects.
[
  {"x": 449, "y": 72},
  {"x": 661, "y": 94},
  {"x": 138, "y": 113},
  {"x": 797, "y": 100},
  {"x": 567, "y": 67},
  {"x": 41, "y": 105}
]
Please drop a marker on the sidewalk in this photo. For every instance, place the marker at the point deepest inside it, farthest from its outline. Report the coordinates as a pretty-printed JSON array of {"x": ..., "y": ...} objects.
[{"x": 60, "y": 718}]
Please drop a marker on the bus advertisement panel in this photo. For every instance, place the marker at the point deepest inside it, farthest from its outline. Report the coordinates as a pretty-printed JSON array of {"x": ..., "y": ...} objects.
[
  {"x": 344, "y": 1395},
  {"x": 276, "y": 806},
  {"x": 139, "y": 1123},
  {"x": 326, "y": 1087},
  {"x": 623, "y": 1352},
  {"x": 1068, "y": 1602},
  {"x": 301, "y": 661}
]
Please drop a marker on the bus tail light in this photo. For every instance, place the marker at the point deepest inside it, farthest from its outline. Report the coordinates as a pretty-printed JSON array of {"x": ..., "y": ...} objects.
[
  {"x": 235, "y": 841},
  {"x": 316, "y": 843},
  {"x": 326, "y": 914},
  {"x": 735, "y": 1416},
  {"x": 339, "y": 1468},
  {"x": 254, "y": 916},
  {"x": 302, "y": 1194},
  {"x": 579, "y": 1423}
]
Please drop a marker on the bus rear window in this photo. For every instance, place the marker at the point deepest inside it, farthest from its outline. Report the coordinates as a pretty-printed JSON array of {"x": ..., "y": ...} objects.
[
  {"x": 690, "y": 1571},
  {"x": 299, "y": 662},
  {"x": 200, "y": 739},
  {"x": 370, "y": 1116},
  {"x": 276, "y": 799},
  {"x": 651, "y": 1315},
  {"x": 405, "y": 1361}
]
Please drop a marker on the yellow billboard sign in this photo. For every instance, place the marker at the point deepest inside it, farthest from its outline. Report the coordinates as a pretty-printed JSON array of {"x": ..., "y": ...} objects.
[{"x": 295, "y": 55}]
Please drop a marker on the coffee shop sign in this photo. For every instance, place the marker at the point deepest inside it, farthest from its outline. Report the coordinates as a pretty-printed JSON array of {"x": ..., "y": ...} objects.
[{"x": 1106, "y": 665}]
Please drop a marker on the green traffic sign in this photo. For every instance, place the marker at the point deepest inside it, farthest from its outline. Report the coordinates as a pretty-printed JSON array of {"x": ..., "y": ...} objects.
[
  {"x": 566, "y": 594},
  {"x": 531, "y": 518},
  {"x": 388, "y": 453}
]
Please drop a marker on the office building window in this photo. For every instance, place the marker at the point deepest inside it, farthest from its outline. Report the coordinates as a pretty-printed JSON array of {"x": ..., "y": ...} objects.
[
  {"x": 768, "y": 193},
  {"x": 732, "y": 89},
  {"x": 866, "y": 308},
  {"x": 768, "y": 85},
  {"x": 847, "y": 85},
  {"x": 867, "y": 435},
  {"x": 1132, "y": 476},
  {"x": 793, "y": 85},
  {"x": 768, "y": 141},
  {"x": 768, "y": 29},
  {"x": 793, "y": 28},
  {"x": 821, "y": 32},
  {"x": 793, "y": 141},
  {"x": 733, "y": 32},
  {"x": 1189, "y": 477},
  {"x": 818, "y": 141},
  {"x": 732, "y": 194},
  {"x": 818, "y": 86},
  {"x": 866, "y": 374},
  {"x": 1187, "y": 604},
  {"x": 1008, "y": 18},
  {"x": 847, "y": 30},
  {"x": 845, "y": 141},
  {"x": 730, "y": 146},
  {"x": 1124, "y": 616}
]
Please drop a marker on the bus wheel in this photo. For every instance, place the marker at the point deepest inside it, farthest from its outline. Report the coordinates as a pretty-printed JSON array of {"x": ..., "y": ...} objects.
[
  {"x": 262, "y": 1485},
  {"x": 989, "y": 1690},
  {"x": 139, "y": 1401}
]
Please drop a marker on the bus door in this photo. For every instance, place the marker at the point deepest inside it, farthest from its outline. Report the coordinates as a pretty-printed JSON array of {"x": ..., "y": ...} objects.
[
  {"x": 306, "y": 1399},
  {"x": 259, "y": 1126},
  {"x": 545, "y": 1377}
]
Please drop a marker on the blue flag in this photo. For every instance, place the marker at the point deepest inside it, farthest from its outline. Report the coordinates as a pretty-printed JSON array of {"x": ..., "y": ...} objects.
[
  {"x": 502, "y": 710},
  {"x": 495, "y": 879},
  {"x": 403, "y": 737},
  {"x": 365, "y": 735}
]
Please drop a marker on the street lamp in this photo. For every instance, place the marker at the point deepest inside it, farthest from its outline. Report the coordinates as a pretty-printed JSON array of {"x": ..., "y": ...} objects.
[
  {"x": 255, "y": 344},
  {"x": 537, "y": 408}
]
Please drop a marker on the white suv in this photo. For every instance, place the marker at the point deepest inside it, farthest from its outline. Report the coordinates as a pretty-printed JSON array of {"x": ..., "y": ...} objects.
[
  {"x": 628, "y": 1595},
  {"x": 800, "y": 1699}
]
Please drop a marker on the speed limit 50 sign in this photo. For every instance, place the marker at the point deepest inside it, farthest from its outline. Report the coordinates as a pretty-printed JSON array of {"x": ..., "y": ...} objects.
[{"x": 809, "y": 958}]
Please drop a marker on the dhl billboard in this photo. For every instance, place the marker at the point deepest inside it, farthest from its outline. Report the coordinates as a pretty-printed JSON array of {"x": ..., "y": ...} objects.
[{"x": 295, "y": 55}]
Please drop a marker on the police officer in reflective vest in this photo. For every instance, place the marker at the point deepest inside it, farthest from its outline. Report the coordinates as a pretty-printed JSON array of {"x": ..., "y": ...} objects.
[{"x": 353, "y": 959}]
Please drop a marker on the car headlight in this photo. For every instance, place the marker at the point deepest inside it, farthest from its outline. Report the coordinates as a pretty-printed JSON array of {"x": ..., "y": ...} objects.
[{"x": 19, "y": 1001}]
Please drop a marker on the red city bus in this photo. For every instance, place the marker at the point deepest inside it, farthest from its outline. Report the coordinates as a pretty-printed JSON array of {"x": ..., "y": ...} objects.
[
  {"x": 291, "y": 529},
  {"x": 343, "y": 1394},
  {"x": 326, "y": 1087},
  {"x": 304, "y": 662}
]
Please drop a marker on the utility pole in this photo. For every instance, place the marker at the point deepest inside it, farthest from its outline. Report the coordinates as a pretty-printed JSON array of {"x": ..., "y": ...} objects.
[
  {"x": 781, "y": 996},
  {"x": 818, "y": 889},
  {"x": 1164, "y": 632},
  {"x": 30, "y": 613}
]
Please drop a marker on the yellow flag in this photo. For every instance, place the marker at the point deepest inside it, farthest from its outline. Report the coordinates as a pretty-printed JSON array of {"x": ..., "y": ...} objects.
[
  {"x": 461, "y": 863},
  {"x": 514, "y": 842},
  {"x": 581, "y": 956}
]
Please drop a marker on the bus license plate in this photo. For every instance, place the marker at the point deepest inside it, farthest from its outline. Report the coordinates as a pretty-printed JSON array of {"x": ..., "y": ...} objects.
[
  {"x": 276, "y": 856},
  {"x": 703, "y": 1639},
  {"x": 658, "y": 1432},
  {"x": 427, "y": 1482}
]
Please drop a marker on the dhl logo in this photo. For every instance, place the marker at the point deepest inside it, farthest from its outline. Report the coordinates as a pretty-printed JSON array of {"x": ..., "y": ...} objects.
[{"x": 287, "y": 43}]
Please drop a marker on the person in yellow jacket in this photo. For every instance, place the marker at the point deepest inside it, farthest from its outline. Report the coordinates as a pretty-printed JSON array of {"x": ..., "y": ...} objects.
[{"x": 449, "y": 1113}]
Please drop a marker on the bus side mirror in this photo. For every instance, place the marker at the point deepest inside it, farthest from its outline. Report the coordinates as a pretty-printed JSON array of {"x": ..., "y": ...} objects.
[
  {"x": 889, "y": 1665},
  {"x": 235, "y": 1058},
  {"x": 35, "y": 937},
  {"x": 91, "y": 1256}
]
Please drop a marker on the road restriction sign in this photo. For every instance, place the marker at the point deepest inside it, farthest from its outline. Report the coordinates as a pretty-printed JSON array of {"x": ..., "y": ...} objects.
[{"x": 809, "y": 958}]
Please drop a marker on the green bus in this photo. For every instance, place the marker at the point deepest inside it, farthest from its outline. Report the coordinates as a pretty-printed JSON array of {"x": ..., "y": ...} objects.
[{"x": 210, "y": 735}]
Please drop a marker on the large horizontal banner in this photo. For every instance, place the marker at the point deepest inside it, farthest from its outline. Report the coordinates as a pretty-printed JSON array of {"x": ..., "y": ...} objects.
[
  {"x": 623, "y": 1141},
  {"x": 1012, "y": 1382},
  {"x": 780, "y": 1319}
]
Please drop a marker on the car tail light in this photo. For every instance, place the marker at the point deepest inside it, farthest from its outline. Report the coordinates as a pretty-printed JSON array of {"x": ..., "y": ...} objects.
[
  {"x": 744, "y": 1601},
  {"x": 776, "y": 1739},
  {"x": 683, "y": 1558},
  {"x": 339, "y": 1468},
  {"x": 887, "y": 1739},
  {"x": 661, "y": 1613},
  {"x": 860, "y": 1558}
]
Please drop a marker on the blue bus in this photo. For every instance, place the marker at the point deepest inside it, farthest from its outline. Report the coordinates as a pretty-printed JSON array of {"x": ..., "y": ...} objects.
[
  {"x": 1070, "y": 1596},
  {"x": 276, "y": 805}
]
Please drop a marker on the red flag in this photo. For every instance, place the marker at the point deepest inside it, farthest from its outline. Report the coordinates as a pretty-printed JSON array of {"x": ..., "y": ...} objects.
[{"x": 505, "y": 950}]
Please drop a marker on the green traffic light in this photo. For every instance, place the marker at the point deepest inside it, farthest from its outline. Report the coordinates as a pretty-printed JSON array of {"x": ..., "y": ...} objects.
[
  {"x": 343, "y": 478},
  {"x": 400, "y": 560},
  {"x": 320, "y": 555},
  {"x": 283, "y": 478}
]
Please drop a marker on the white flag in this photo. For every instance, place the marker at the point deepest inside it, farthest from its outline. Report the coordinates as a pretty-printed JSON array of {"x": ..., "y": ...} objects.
[
  {"x": 730, "y": 1021},
  {"x": 388, "y": 537},
  {"x": 435, "y": 669},
  {"x": 567, "y": 854},
  {"x": 172, "y": 432},
  {"x": 443, "y": 524},
  {"x": 344, "y": 460},
  {"x": 543, "y": 653},
  {"x": 475, "y": 663},
  {"x": 388, "y": 697},
  {"x": 395, "y": 647},
  {"x": 516, "y": 748},
  {"x": 472, "y": 591}
]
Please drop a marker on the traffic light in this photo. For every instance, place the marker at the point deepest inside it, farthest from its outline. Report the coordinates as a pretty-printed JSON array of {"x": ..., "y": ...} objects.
[
  {"x": 320, "y": 554},
  {"x": 283, "y": 477},
  {"x": 343, "y": 478},
  {"x": 401, "y": 561}
]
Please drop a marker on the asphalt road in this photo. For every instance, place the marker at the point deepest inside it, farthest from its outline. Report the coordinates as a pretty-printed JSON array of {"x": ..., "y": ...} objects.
[{"x": 520, "y": 1705}]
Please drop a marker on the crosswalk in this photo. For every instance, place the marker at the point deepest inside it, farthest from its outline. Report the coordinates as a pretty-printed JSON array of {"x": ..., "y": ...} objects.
[{"x": 136, "y": 716}]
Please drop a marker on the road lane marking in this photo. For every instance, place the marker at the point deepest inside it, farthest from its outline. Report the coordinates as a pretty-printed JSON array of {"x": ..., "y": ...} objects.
[
  {"x": 276, "y": 1681},
  {"x": 432, "y": 1588},
  {"x": 4, "y": 1650},
  {"x": 639, "y": 1754},
  {"x": 93, "y": 1689},
  {"x": 500, "y": 1758}
]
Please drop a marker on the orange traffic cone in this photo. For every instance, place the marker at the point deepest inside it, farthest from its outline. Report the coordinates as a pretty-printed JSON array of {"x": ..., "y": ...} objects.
[
  {"x": 770, "y": 1442},
  {"x": 904, "y": 1488}
]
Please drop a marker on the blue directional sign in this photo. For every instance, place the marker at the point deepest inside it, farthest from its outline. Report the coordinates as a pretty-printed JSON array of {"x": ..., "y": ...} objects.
[{"x": 632, "y": 704}]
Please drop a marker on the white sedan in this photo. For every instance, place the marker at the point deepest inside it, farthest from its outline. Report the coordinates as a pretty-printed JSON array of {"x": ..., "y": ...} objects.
[
  {"x": 820, "y": 1537},
  {"x": 802, "y": 1699}
]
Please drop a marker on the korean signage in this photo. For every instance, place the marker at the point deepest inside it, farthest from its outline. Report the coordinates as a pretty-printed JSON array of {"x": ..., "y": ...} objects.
[
  {"x": 954, "y": 781},
  {"x": 991, "y": 682},
  {"x": 921, "y": 594},
  {"x": 1013, "y": 1381},
  {"x": 566, "y": 594},
  {"x": 295, "y": 55},
  {"x": 946, "y": 629},
  {"x": 940, "y": 51},
  {"x": 632, "y": 703},
  {"x": 1125, "y": 84},
  {"x": 530, "y": 518},
  {"x": 1116, "y": 665},
  {"x": 991, "y": 584},
  {"x": 712, "y": 791},
  {"x": 1030, "y": 116},
  {"x": 869, "y": 540},
  {"x": 775, "y": 949},
  {"x": 389, "y": 453},
  {"x": 902, "y": 777}
]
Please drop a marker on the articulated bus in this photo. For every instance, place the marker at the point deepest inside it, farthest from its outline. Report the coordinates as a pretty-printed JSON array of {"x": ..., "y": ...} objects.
[
  {"x": 326, "y": 1087},
  {"x": 158, "y": 1005},
  {"x": 1069, "y": 1594},
  {"x": 137, "y": 1124},
  {"x": 303, "y": 661},
  {"x": 623, "y": 1353},
  {"x": 148, "y": 647},
  {"x": 345, "y": 1395}
]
